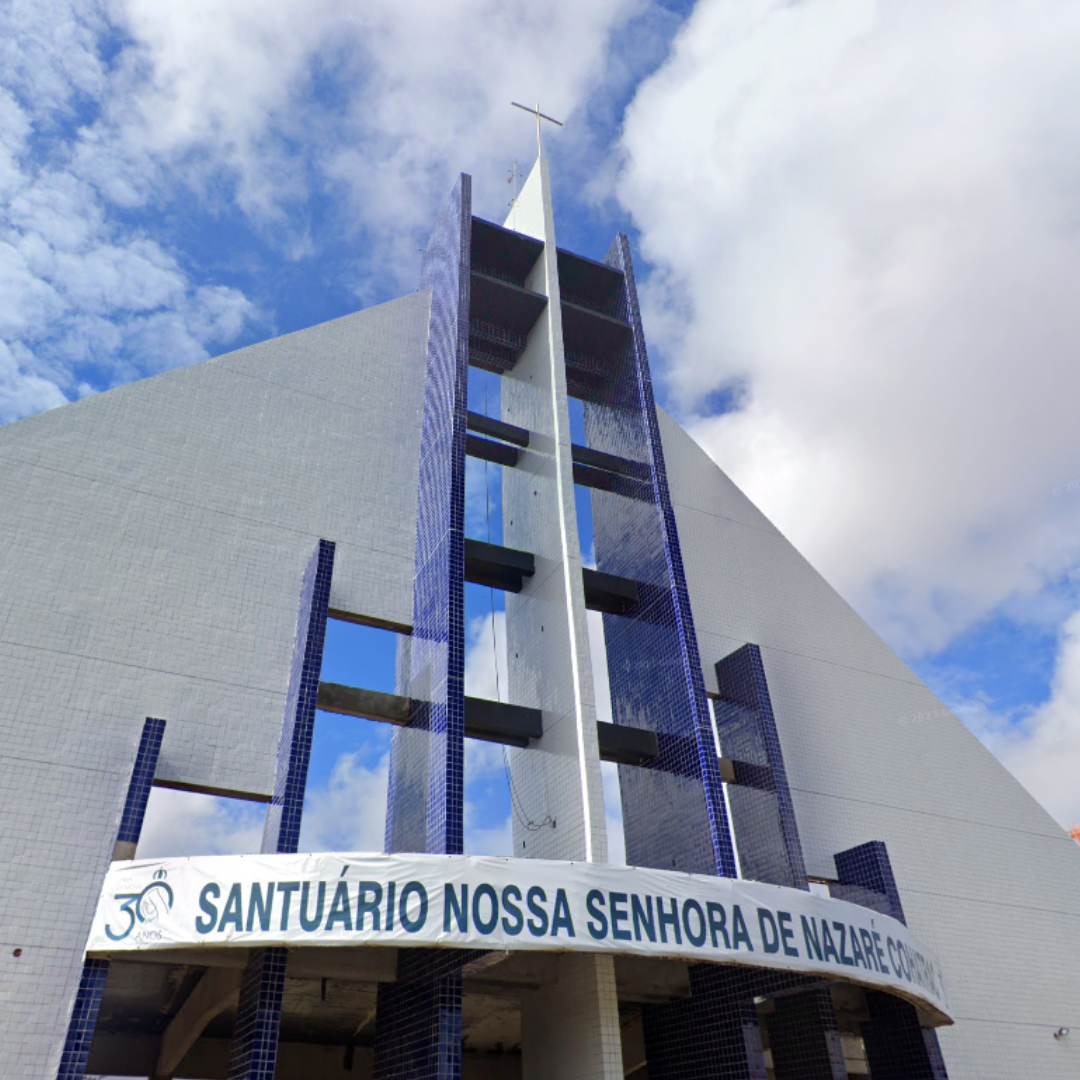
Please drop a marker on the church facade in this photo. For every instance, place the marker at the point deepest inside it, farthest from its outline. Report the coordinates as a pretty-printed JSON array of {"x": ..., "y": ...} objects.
[{"x": 828, "y": 876}]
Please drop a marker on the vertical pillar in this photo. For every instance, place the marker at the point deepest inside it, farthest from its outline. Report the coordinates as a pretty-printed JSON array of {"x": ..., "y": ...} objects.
[
  {"x": 418, "y": 1018},
  {"x": 570, "y": 1029},
  {"x": 425, "y": 801},
  {"x": 803, "y": 1034},
  {"x": 714, "y": 1034},
  {"x": 84, "y": 1013},
  {"x": 253, "y": 1055},
  {"x": 898, "y": 1047},
  {"x": 567, "y": 1026},
  {"x": 805, "y": 1039},
  {"x": 763, "y": 816},
  {"x": 674, "y": 814},
  {"x": 557, "y": 781}
]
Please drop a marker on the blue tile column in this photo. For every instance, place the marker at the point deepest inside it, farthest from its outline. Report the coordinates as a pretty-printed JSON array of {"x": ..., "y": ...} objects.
[
  {"x": 674, "y": 814},
  {"x": 88, "y": 997},
  {"x": 763, "y": 815},
  {"x": 804, "y": 1038},
  {"x": 258, "y": 1015},
  {"x": 803, "y": 1034},
  {"x": 426, "y": 799},
  {"x": 898, "y": 1047},
  {"x": 418, "y": 1019},
  {"x": 418, "y": 1025},
  {"x": 714, "y": 1034}
]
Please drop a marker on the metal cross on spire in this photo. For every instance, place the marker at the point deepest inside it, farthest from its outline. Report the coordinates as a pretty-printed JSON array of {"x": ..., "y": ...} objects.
[{"x": 539, "y": 116}]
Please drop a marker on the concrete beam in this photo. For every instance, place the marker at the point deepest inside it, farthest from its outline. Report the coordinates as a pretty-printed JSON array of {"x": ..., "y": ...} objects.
[
  {"x": 494, "y": 721},
  {"x": 216, "y": 991},
  {"x": 371, "y": 963}
]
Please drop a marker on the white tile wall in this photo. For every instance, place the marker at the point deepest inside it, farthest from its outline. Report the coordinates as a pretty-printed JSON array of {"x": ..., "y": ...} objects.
[
  {"x": 985, "y": 876},
  {"x": 570, "y": 1029},
  {"x": 152, "y": 544}
]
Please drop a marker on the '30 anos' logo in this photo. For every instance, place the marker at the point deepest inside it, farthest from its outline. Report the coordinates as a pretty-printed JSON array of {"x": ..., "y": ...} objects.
[{"x": 143, "y": 908}]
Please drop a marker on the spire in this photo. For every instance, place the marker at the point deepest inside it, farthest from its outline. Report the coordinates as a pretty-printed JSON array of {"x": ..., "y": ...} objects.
[{"x": 539, "y": 116}]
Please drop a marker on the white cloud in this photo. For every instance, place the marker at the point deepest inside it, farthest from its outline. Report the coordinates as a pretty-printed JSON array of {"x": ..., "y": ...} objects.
[
  {"x": 382, "y": 103},
  {"x": 348, "y": 813},
  {"x": 112, "y": 111},
  {"x": 485, "y": 658},
  {"x": 181, "y": 823},
  {"x": 866, "y": 213},
  {"x": 616, "y": 838},
  {"x": 1043, "y": 748},
  {"x": 485, "y": 832}
]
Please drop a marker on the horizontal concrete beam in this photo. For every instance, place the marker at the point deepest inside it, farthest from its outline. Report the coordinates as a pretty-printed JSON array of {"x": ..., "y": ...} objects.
[
  {"x": 341, "y": 615},
  {"x": 497, "y": 567},
  {"x": 626, "y": 745},
  {"x": 372, "y": 963},
  {"x": 597, "y": 459},
  {"x": 365, "y": 704},
  {"x": 496, "y": 429},
  {"x": 486, "y": 450},
  {"x": 206, "y": 789},
  {"x": 608, "y": 593},
  {"x": 492, "y": 721},
  {"x": 496, "y": 721}
]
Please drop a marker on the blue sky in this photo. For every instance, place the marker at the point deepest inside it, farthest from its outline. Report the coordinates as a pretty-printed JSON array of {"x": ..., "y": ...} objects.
[{"x": 856, "y": 226}]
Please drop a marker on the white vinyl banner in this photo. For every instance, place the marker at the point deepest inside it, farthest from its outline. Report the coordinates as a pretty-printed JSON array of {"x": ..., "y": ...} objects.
[{"x": 459, "y": 901}]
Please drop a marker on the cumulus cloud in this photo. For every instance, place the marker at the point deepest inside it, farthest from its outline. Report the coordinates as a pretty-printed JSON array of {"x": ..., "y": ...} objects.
[
  {"x": 862, "y": 223},
  {"x": 115, "y": 114},
  {"x": 485, "y": 657},
  {"x": 348, "y": 813},
  {"x": 487, "y": 833},
  {"x": 81, "y": 294},
  {"x": 381, "y": 104},
  {"x": 1042, "y": 748},
  {"x": 862, "y": 218},
  {"x": 184, "y": 823}
]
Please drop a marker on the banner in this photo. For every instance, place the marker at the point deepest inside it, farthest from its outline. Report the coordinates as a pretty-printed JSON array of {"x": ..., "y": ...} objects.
[{"x": 459, "y": 901}]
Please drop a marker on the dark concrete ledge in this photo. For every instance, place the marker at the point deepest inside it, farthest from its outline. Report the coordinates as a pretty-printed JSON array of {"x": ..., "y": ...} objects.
[
  {"x": 608, "y": 593},
  {"x": 368, "y": 620},
  {"x": 366, "y": 704},
  {"x": 496, "y": 452},
  {"x": 492, "y": 721},
  {"x": 597, "y": 459},
  {"x": 598, "y": 479},
  {"x": 496, "y": 429},
  {"x": 206, "y": 789},
  {"x": 497, "y": 567},
  {"x": 496, "y": 721},
  {"x": 627, "y": 745}
]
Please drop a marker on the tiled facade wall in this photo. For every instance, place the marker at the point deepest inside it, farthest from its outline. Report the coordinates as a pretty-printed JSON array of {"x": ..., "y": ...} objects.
[
  {"x": 88, "y": 996},
  {"x": 570, "y": 1029},
  {"x": 254, "y": 1051},
  {"x": 766, "y": 831},
  {"x": 425, "y": 802},
  {"x": 557, "y": 788},
  {"x": 151, "y": 542},
  {"x": 418, "y": 1019},
  {"x": 987, "y": 878},
  {"x": 674, "y": 815},
  {"x": 715, "y": 1033}
]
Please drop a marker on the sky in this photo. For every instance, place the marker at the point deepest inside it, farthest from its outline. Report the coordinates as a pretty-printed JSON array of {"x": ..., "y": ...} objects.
[{"x": 857, "y": 233}]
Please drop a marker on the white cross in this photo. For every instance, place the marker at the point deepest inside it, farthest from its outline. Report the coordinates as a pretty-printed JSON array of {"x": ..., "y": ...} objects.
[{"x": 539, "y": 116}]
